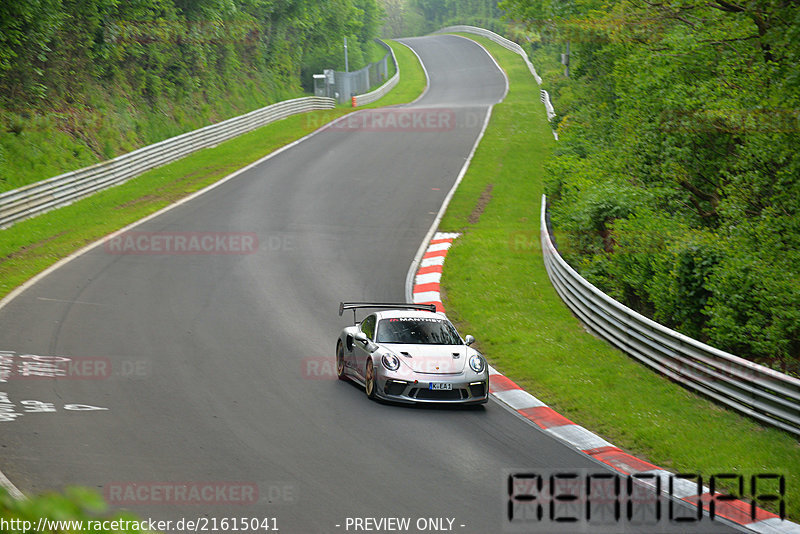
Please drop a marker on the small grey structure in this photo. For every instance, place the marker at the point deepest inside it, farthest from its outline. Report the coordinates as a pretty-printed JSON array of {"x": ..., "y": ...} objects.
[{"x": 345, "y": 86}]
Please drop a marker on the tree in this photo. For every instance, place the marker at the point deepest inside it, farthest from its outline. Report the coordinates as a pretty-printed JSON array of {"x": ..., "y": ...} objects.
[{"x": 677, "y": 167}]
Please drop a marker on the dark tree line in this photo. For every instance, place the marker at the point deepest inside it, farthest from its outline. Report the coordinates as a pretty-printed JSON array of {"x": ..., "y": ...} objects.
[{"x": 418, "y": 17}]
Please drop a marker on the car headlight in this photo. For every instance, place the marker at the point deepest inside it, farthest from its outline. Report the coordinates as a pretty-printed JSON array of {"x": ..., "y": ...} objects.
[
  {"x": 391, "y": 362},
  {"x": 476, "y": 363}
]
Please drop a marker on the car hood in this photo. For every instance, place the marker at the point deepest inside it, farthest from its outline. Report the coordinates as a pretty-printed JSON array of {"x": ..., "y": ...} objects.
[{"x": 433, "y": 359}]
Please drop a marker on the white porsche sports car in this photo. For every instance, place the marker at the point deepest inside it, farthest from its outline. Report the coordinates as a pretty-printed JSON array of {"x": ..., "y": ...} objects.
[{"x": 410, "y": 353}]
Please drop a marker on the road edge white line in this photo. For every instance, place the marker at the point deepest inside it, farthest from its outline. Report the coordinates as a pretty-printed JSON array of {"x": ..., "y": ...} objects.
[
  {"x": 508, "y": 85},
  {"x": 80, "y": 252},
  {"x": 11, "y": 488},
  {"x": 516, "y": 400},
  {"x": 16, "y": 292},
  {"x": 412, "y": 269}
]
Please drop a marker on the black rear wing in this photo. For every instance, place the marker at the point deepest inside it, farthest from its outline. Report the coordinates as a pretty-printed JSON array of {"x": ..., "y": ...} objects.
[{"x": 384, "y": 306}]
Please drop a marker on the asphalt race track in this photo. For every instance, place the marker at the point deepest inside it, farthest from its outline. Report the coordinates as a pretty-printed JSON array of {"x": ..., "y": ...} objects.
[{"x": 215, "y": 370}]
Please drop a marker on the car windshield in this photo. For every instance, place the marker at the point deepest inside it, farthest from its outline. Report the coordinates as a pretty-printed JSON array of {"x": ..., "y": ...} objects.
[{"x": 417, "y": 331}]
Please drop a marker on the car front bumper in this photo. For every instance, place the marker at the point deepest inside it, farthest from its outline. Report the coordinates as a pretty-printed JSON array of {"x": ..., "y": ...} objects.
[{"x": 464, "y": 389}]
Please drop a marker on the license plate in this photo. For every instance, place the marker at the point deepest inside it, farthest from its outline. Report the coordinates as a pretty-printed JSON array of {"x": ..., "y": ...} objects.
[{"x": 440, "y": 386}]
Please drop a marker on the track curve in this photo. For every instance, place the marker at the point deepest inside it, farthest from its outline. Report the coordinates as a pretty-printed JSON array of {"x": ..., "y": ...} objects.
[{"x": 218, "y": 360}]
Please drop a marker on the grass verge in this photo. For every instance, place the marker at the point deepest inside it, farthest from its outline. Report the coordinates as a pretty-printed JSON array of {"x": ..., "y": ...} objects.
[
  {"x": 412, "y": 78},
  {"x": 496, "y": 286},
  {"x": 111, "y": 120},
  {"x": 31, "y": 246}
]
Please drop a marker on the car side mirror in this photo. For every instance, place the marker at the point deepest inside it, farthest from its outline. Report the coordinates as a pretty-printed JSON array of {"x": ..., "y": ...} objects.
[
  {"x": 362, "y": 338},
  {"x": 469, "y": 340}
]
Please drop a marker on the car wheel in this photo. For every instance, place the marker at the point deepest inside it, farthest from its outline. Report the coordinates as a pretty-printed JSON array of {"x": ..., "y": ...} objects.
[
  {"x": 369, "y": 380},
  {"x": 340, "y": 360}
]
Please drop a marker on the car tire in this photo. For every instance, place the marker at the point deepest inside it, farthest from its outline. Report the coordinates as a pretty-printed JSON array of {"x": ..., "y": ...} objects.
[
  {"x": 340, "y": 361},
  {"x": 369, "y": 380}
]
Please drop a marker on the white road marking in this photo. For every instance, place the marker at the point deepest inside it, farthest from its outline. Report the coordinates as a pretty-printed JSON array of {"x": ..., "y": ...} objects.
[
  {"x": 519, "y": 399},
  {"x": 70, "y": 301},
  {"x": 578, "y": 437},
  {"x": 429, "y": 278}
]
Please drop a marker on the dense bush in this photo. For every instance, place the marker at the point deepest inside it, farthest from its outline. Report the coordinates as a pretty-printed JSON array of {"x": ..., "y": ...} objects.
[
  {"x": 677, "y": 176},
  {"x": 83, "y": 81},
  {"x": 418, "y": 17},
  {"x": 166, "y": 47}
]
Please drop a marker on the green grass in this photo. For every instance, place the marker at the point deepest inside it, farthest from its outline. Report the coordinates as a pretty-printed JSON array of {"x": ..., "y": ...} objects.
[
  {"x": 31, "y": 246},
  {"x": 376, "y": 52},
  {"x": 391, "y": 69},
  {"x": 412, "y": 78},
  {"x": 36, "y": 148},
  {"x": 110, "y": 121},
  {"x": 496, "y": 287}
]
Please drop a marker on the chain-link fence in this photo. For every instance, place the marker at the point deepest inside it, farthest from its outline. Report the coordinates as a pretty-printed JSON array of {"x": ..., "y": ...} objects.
[
  {"x": 350, "y": 84},
  {"x": 346, "y": 85}
]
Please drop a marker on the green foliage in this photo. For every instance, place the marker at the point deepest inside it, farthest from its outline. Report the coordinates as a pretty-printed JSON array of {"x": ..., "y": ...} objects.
[
  {"x": 401, "y": 19},
  {"x": 83, "y": 81},
  {"x": 405, "y": 18},
  {"x": 536, "y": 341},
  {"x": 677, "y": 176},
  {"x": 29, "y": 247},
  {"x": 440, "y": 13},
  {"x": 755, "y": 288},
  {"x": 73, "y": 511},
  {"x": 33, "y": 245}
]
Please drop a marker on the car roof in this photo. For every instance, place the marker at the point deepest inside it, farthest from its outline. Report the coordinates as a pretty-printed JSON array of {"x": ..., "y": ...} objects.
[{"x": 416, "y": 314}]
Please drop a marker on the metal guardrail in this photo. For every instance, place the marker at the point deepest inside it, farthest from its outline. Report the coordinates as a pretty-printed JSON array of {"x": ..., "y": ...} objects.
[
  {"x": 372, "y": 96},
  {"x": 762, "y": 393},
  {"x": 545, "y": 98},
  {"x": 514, "y": 47},
  {"x": 66, "y": 188}
]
